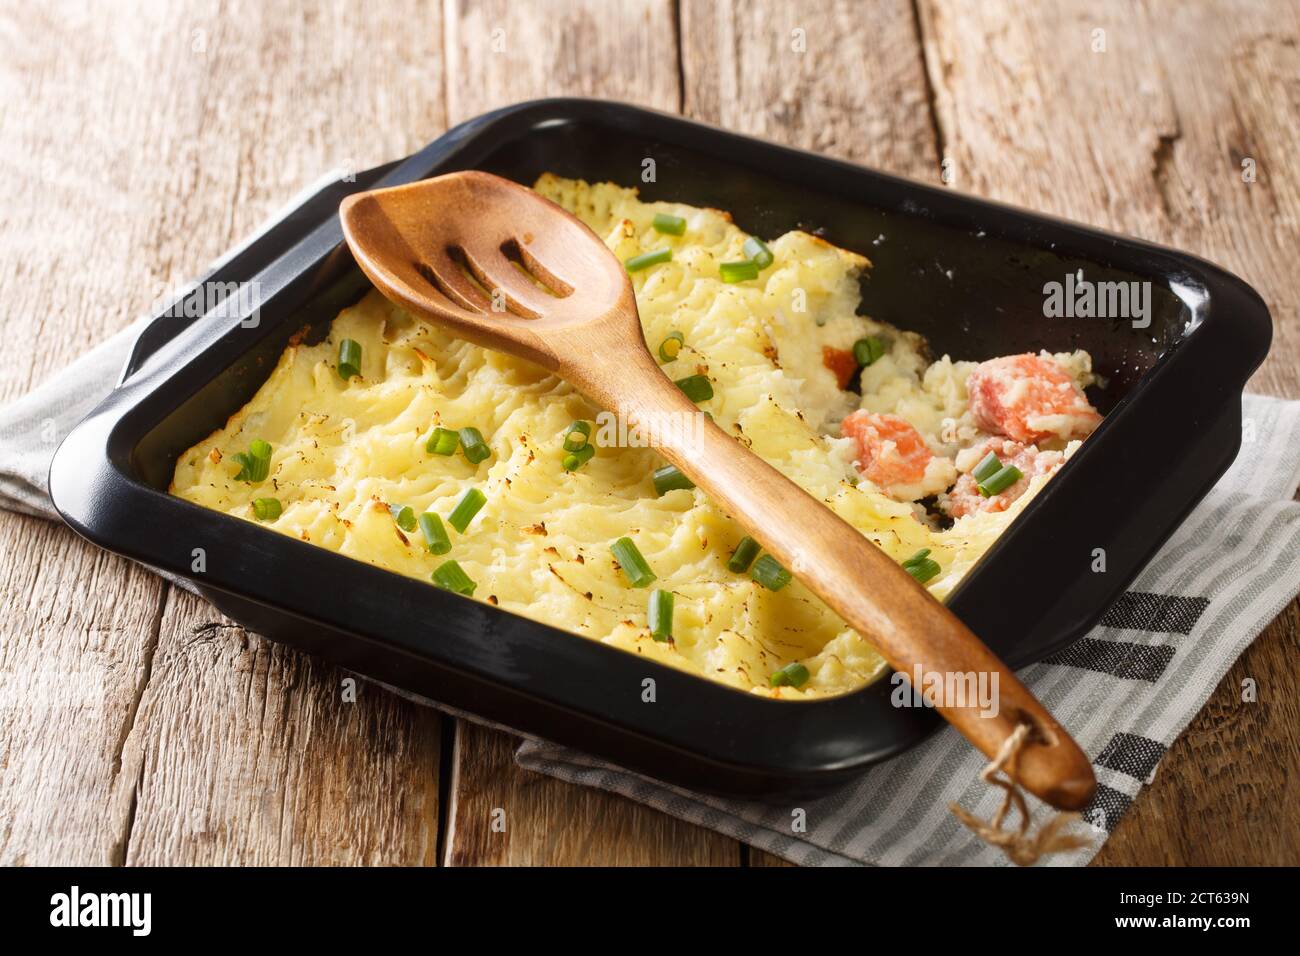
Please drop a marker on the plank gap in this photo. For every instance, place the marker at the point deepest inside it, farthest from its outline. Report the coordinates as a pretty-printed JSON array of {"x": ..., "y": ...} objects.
[{"x": 928, "y": 74}]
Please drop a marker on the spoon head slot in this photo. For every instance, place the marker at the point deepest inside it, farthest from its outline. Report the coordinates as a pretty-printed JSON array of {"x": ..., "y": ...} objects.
[{"x": 498, "y": 264}]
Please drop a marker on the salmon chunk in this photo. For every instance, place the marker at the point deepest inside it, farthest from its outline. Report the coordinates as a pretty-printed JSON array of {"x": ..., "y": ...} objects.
[
  {"x": 894, "y": 457},
  {"x": 1029, "y": 398}
]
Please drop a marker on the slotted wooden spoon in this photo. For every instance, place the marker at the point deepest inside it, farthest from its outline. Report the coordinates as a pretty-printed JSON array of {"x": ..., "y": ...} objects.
[{"x": 502, "y": 267}]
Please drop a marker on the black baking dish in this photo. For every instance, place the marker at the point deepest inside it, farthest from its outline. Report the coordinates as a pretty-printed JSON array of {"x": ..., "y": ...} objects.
[{"x": 966, "y": 273}]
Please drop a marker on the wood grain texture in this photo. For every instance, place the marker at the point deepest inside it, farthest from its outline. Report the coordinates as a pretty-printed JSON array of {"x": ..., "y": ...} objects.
[
  {"x": 245, "y": 752},
  {"x": 835, "y": 76},
  {"x": 1148, "y": 138},
  {"x": 137, "y": 147},
  {"x": 500, "y": 52},
  {"x": 502, "y": 816},
  {"x": 77, "y": 632}
]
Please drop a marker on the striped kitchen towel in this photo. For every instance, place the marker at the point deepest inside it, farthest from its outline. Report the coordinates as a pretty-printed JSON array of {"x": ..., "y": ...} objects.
[{"x": 1125, "y": 691}]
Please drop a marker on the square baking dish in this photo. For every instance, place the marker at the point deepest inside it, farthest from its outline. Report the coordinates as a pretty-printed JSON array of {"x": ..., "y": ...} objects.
[{"x": 967, "y": 274}]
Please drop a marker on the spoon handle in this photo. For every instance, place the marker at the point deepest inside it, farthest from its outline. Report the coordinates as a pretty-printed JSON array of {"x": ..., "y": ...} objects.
[{"x": 865, "y": 586}]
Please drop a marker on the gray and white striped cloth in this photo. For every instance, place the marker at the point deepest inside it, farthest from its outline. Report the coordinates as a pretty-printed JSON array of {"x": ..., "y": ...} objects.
[{"x": 1125, "y": 691}]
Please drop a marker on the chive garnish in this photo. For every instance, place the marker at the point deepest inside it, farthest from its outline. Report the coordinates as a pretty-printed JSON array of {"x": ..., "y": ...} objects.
[
  {"x": 404, "y": 515},
  {"x": 1000, "y": 480},
  {"x": 452, "y": 577},
  {"x": 672, "y": 225},
  {"x": 671, "y": 346},
  {"x": 698, "y": 388},
  {"x": 744, "y": 555},
  {"x": 631, "y": 561},
  {"x": 792, "y": 675},
  {"x": 768, "y": 572},
  {"x": 921, "y": 566},
  {"x": 349, "y": 359},
  {"x": 576, "y": 459},
  {"x": 435, "y": 535},
  {"x": 647, "y": 259},
  {"x": 660, "y": 615},
  {"x": 577, "y": 435},
  {"x": 443, "y": 441},
  {"x": 757, "y": 252},
  {"x": 267, "y": 509},
  {"x": 670, "y": 478},
  {"x": 476, "y": 449},
  {"x": 466, "y": 509},
  {"x": 988, "y": 467},
  {"x": 740, "y": 271},
  {"x": 866, "y": 351},
  {"x": 254, "y": 464}
]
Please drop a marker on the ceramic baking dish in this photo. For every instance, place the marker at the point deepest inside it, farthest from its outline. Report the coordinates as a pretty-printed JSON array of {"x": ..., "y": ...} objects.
[{"x": 966, "y": 273}]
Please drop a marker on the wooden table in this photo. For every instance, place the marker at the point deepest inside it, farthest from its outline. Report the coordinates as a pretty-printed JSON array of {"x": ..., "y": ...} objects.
[{"x": 138, "y": 144}]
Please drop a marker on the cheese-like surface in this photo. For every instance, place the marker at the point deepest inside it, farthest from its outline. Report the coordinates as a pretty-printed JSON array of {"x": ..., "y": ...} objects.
[{"x": 345, "y": 451}]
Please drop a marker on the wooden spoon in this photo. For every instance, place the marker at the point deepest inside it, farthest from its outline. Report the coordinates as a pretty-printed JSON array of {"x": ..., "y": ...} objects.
[{"x": 559, "y": 298}]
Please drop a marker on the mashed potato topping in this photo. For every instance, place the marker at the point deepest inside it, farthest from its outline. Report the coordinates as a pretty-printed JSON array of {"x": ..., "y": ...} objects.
[{"x": 343, "y": 452}]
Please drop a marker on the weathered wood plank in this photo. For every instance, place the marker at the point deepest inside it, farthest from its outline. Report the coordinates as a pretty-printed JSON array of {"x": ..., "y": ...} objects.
[
  {"x": 137, "y": 147},
  {"x": 245, "y": 752},
  {"x": 833, "y": 76},
  {"x": 77, "y": 632},
  {"x": 507, "y": 817},
  {"x": 1148, "y": 137},
  {"x": 499, "y": 53}
]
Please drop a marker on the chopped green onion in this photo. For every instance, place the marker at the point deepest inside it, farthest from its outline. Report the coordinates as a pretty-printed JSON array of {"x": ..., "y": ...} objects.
[
  {"x": 349, "y": 359},
  {"x": 254, "y": 464},
  {"x": 671, "y": 346},
  {"x": 404, "y": 515},
  {"x": 698, "y": 388},
  {"x": 476, "y": 449},
  {"x": 443, "y": 441},
  {"x": 744, "y": 555},
  {"x": 647, "y": 259},
  {"x": 576, "y": 435},
  {"x": 866, "y": 351},
  {"x": 740, "y": 271},
  {"x": 452, "y": 577},
  {"x": 768, "y": 572},
  {"x": 757, "y": 252},
  {"x": 466, "y": 509},
  {"x": 1000, "y": 480},
  {"x": 672, "y": 225},
  {"x": 576, "y": 459},
  {"x": 792, "y": 675},
  {"x": 660, "y": 615},
  {"x": 633, "y": 564},
  {"x": 267, "y": 509},
  {"x": 987, "y": 468},
  {"x": 921, "y": 566},
  {"x": 670, "y": 478},
  {"x": 435, "y": 535}
]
